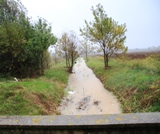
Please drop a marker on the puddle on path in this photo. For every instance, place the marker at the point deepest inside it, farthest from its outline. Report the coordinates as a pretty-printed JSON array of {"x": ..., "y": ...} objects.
[{"x": 86, "y": 94}]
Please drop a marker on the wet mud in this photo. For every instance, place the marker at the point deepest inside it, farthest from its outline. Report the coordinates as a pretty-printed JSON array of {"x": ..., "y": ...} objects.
[{"x": 86, "y": 95}]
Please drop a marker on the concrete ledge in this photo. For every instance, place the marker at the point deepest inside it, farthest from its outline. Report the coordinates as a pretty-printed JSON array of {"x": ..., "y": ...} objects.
[{"x": 113, "y": 123}]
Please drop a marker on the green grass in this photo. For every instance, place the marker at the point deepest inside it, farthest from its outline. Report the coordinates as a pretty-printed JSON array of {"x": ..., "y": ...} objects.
[
  {"x": 136, "y": 83},
  {"x": 38, "y": 96}
]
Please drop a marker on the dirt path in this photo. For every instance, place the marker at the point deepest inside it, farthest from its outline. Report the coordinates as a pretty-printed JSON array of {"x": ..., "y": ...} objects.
[{"x": 86, "y": 94}]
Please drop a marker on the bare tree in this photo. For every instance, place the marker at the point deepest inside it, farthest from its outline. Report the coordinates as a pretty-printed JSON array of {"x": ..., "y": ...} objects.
[
  {"x": 86, "y": 48},
  {"x": 67, "y": 46},
  {"x": 63, "y": 43}
]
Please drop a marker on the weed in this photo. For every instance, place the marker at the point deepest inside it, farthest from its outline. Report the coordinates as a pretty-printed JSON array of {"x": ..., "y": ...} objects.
[
  {"x": 135, "y": 82},
  {"x": 39, "y": 96}
]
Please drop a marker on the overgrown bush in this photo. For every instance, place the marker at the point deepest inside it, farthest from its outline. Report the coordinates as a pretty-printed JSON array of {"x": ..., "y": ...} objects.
[{"x": 23, "y": 44}]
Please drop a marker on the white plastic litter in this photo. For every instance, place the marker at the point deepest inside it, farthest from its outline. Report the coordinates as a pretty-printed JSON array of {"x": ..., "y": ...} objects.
[
  {"x": 71, "y": 92},
  {"x": 16, "y": 79}
]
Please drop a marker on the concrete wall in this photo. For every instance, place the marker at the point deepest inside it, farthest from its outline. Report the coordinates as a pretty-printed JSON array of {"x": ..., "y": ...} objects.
[{"x": 140, "y": 123}]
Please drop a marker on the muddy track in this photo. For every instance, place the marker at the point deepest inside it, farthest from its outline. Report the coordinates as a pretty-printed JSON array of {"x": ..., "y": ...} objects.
[{"x": 85, "y": 94}]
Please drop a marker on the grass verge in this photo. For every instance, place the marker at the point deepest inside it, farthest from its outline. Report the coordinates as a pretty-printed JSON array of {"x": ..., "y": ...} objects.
[
  {"x": 136, "y": 83},
  {"x": 39, "y": 96}
]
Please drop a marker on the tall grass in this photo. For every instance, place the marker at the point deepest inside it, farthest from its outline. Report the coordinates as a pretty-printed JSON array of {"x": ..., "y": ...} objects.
[
  {"x": 136, "y": 83},
  {"x": 38, "y": 96}
]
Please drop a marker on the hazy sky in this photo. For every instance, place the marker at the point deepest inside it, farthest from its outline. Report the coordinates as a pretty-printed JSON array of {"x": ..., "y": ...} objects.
[{"x": 142, "y": 17}]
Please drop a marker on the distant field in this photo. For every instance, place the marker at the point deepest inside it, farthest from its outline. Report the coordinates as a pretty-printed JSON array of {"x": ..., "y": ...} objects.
[
  {"x": 141, "y": 55},
  {"x": 38, "y": 96},
  {"x": 135, "y": 80}
]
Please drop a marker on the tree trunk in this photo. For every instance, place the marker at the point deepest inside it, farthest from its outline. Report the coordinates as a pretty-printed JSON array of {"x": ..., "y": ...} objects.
[
  {"x": 105, "y": 58},
  {"x": 66, "y": 59},
  {"x": 86, "y": 57}
]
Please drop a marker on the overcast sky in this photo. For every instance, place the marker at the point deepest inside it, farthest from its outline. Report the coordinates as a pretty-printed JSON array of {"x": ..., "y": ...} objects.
[{"x": 142, "y": 17}]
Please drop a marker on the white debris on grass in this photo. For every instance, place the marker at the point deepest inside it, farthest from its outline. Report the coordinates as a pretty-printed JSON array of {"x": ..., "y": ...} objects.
[{"x": 15, "y": 79}]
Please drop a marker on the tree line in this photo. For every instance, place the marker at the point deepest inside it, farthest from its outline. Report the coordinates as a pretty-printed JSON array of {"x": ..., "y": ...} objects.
[
  {"x": 24, "y": 43},
  {"x": 102, "y": 31}
]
